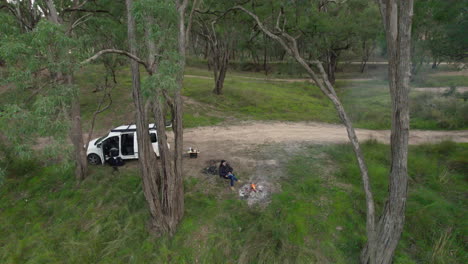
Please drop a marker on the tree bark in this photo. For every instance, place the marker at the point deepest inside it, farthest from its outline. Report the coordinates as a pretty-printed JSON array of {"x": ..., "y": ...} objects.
[
  {"x": 332, "y": 60},
  {"x": 220, "y": 67},
  {"x": 146, "y": 156},
  {"x": 178, "y": 111},
  {"x": 76, "y": 137},
  {"x": 219, "y": 50},
  {"x": 397, "y": 18},
  {"x": 53, "y": 15}
]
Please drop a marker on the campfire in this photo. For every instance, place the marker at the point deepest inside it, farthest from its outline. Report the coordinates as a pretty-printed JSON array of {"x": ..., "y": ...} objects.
[{"x": 254, "y": 193}]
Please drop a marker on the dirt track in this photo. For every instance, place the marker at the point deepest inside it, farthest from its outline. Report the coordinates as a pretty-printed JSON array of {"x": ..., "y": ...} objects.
[
  {"x": 269, "y": 79},
  {"x": 281, "y": 132},
  {"x": 236, "y": 143},
  {"x": 440, "y": 89}
]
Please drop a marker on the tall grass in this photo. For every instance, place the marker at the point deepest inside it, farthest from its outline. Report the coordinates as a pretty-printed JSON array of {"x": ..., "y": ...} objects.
[{"x": 318, "y": 216}]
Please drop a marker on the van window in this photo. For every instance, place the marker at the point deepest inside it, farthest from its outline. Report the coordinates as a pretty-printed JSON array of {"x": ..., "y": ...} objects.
[
  {"x": 127, "y": 144},
  {"x": 153, "y": 137}
]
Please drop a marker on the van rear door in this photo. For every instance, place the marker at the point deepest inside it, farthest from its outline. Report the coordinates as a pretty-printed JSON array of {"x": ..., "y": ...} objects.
[
  {"x": 127, "y": 143},
  {"x": 154, "y": 142}
]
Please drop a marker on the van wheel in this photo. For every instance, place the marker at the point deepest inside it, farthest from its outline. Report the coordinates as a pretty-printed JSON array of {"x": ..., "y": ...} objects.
[{"x": 94, "y": 159}]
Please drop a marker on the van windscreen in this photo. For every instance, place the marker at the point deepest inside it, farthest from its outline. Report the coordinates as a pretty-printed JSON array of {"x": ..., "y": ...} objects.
[{"x": 99, "y": 140}]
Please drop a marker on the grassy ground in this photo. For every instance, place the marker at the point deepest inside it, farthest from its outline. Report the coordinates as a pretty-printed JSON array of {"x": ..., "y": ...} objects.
[
  {"x": 317, "y": 217},
  {"x": 367, "y": 102},
  {"x": 368, "y": 105},
  {"x": 264, "y": 100}
]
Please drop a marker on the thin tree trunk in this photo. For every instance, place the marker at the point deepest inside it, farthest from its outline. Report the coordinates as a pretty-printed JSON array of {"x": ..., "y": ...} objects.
[
  {"x": 397, "y": 16},
  {"x": 220, "y": 72},
  {"x": 216, "y": 68},
  {"x": 365, "y": 56},
  {"x": 332, "y": 61},
  {"x": 219, "y": 82}
]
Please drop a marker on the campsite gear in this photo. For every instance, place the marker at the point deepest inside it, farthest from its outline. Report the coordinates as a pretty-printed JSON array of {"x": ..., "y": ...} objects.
[
  {"x": 193, "y": 153},
  {"x": 210, "y": 170}
]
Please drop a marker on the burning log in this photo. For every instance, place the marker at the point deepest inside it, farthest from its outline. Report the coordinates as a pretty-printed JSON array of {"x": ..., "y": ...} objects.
[
  {"x": 254, "y": 193},
  {"x": 253, "y": 187}
]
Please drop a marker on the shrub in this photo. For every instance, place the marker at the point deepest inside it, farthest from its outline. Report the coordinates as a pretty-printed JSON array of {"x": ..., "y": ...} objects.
[{"x": 446, "y": 112}]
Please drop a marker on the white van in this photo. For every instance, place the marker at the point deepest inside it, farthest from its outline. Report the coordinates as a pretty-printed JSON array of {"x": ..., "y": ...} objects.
[{"x": 124, "y": 138}]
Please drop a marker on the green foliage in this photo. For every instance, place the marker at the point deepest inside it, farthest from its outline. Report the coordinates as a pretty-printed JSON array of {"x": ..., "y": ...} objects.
[
  {"x": 439, "y": 29},
  {"x": 438, "y": 111},
  {"x": 36, "y": 106}
]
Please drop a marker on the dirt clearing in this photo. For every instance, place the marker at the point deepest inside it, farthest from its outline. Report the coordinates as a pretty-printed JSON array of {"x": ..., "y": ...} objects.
[
  {"x": 258, "y": 150},
  {"x": 255, "y": 133}
]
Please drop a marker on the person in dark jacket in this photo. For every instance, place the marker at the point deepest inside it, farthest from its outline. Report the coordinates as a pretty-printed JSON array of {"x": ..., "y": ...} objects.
[
  {"x": 115, "y": 161},
  {"x": 225, "y": 171}
]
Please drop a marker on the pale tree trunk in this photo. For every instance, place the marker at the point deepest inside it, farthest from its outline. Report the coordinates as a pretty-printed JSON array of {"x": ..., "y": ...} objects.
[
  {"x": 397, "y": 18},
  {"x": 178, "y": 111},
  {"x": 53, "y": 15},
  {"x": 290, "y": 45}
]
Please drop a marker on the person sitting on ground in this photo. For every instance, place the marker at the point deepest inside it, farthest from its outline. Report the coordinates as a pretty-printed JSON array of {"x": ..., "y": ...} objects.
[{"x": 225, "y": 171}]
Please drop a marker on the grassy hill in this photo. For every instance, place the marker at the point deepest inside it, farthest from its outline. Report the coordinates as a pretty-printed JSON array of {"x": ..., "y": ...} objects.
[{"x": 317, "y": 216}]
